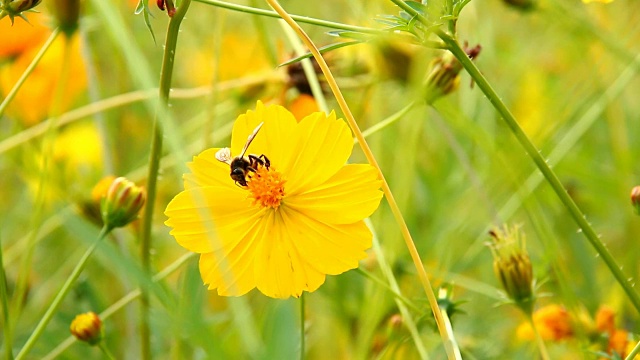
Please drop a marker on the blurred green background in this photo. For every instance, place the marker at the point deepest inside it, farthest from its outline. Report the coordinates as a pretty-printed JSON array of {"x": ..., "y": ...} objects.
[{"x": 565, "y": 69}]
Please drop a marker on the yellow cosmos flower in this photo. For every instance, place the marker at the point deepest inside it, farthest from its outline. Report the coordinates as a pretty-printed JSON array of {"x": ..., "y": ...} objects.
[{"x": 295, "y": 222}]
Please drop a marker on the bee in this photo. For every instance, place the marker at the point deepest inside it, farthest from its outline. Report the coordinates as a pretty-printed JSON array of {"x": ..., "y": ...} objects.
[{"x": 241, "y": 165}]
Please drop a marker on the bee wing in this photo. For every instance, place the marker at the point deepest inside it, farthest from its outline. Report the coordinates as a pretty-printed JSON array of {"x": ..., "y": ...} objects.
[
  {"x": 250, "y": 139},
  {"x": 224, "y": 155}
]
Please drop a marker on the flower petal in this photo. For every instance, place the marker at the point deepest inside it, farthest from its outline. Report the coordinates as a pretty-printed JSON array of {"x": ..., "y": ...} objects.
[
  {"x": 351, "y": 195},
  {"x": 193, "y": 214},
  {"x": 329, "y": 248},
  {"x": 235, "y": 281},
  {"x": 280, "y": 271},
  {"x": 323, "y": 146},
  {"x": 206, "y": 170},
  {"x": 274, "y": 140}
]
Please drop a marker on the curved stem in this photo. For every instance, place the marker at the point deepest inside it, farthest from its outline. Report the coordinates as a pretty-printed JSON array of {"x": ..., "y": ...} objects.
[
  {"x": 28, "y": 71},
  {"x": 302, "y": 321},
  {"x": 35, "y": 335},
  {"x": 6, "y": 325},
  {"x": 372, "y": 160},
  {"x": 542, "y": 165},
  {"x": 154, "y": 165},
  {"x": 105, "y": 351}
]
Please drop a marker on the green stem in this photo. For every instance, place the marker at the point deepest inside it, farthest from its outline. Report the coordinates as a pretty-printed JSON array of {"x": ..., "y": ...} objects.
[
  {"x": 534, "y": 154},
  {"x": 542, "y": 165},
  {"x": 28, "y": 71},
  {"x": 452, "y": 340},
  {"x": 387, "y": 287},
  {"x": 8, "y": 341},
  {"x": 120, "y": 304},
  {"x": 35, "y": 335},
  {"x": 105, "y": 350},
  {"x": 634, "y": 352},
  {"x": 302, "y": 19},
  {"x": 541, "y": 346},
  {"x": 154, "y": 165},
  {"x": 302, "y": 321}
]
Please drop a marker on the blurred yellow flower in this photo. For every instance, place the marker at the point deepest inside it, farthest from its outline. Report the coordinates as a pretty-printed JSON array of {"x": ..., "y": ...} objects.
[
  {"x": 295, "y": 222},
  {"x": 33, "y": 102},
  {"x": 553, "y": 323}
]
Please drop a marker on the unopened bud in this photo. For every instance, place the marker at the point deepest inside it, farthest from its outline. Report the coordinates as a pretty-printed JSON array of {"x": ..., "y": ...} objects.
[
  {"x": 87, "y": 327},
  {"x": 444, "y": 74},
  {"x": 121, "y": 204},
  {"x": 512, "y": 266},
  {"x": 635, "y": 199},
  {"x": 67, "y": 13},
  {"x": 16, "y": 7},
  {"x": 521, "y": 4}
]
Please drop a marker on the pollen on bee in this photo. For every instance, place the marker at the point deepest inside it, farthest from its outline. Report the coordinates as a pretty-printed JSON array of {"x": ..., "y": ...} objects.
[{"x": 266, "y": 187}]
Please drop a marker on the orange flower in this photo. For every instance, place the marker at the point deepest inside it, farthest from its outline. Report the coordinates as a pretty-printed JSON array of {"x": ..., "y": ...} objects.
[
  {"x": 303, "y": 105},
  {"x": 22, "y": 36},
  {"x": 605, "y": 320},
  {"x": 553, "y": 323},
  {"x": 33, "y": 102},
  {"x": 618, "y": 341}
]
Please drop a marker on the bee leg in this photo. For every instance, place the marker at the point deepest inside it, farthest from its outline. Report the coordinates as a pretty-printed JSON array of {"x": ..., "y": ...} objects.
[{"x": 266, "y": 161}]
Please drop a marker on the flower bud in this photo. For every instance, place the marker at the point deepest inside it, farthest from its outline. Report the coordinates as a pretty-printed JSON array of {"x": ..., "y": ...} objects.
[
  {"x": 635, "y": 199},
  {"x": 512, "y": 266},
  {"x": 121, "y": 204},
  {"x": 521, "y": 4},
  {"x": 87, "y": 327},
  {"x": 444, "y": 74},
  {"x": 16, "y": 7},
  {"x": 67, "y": 13}
]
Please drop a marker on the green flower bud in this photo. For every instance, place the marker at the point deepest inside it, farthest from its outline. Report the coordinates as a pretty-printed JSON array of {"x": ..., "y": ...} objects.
[
  {"x": 444, "y": 75},
  {"x": 635, "y": 199},
  {"x": 13, "y": 8},
  {"x": 122, "y": 203},
  {"x": 512, "y": 266},
  {"x": 87, "y": 327},
  {"x": 67, "y": 13}
]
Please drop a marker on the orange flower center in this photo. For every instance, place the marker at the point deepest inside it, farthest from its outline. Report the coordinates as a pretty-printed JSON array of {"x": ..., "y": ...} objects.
[{"x": 266, "y": 187}]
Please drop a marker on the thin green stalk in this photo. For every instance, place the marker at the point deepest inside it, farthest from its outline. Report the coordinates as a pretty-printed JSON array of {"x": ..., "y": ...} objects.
[
  {"x": 302, "y": 329},
  {"x": 302, "y": 19},
  {"x": 452, "y": 340},
  {"x": 543, "y": 166},
  {"x": 154, "y": 165},
  {"x": 534, "y": 154},
  {"x": 28, "y": 71},
  {"x": 6, "y": 325},
  {"x": 541, "y": 346},
  {"x": 35, "y": 335},
  {"x": 124, "y": 301},
  {"x": 105, "y": 350},
  {"x": 634, "y": 352},
  {"x": 388, "y": 287}
]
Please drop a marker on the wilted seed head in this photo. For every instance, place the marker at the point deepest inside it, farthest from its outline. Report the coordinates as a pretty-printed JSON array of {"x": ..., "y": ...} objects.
[
  {"x": 444, "y": 74},
  {"x": 16, "y": 7},
  {"x": 635, "y": 199},
  {"x": 87, "y": 327},
  {"x": 512, "y": 266},
  {"x": 121, "y": 204}
]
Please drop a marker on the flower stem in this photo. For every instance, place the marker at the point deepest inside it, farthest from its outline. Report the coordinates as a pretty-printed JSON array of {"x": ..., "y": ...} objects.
[
  {"x": 105, "y": 350},
  {"x": 302, "y": 328},
  {"x": 542, "y": 165},
  {"x": 35, "y": 335},
  {"x": 28, "y": 71},
  {"x": 372, "y": 160},
  {"x": 8, "y": 341},
  {"x": 635, "y": 351},
  {"x": 543, "y": 348},
  {"x": 452, "y": 340},
  {"x": 455, "y": 48},
  {"x": 120, "y": 304},
  {"x": 154, "y": 165}
]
